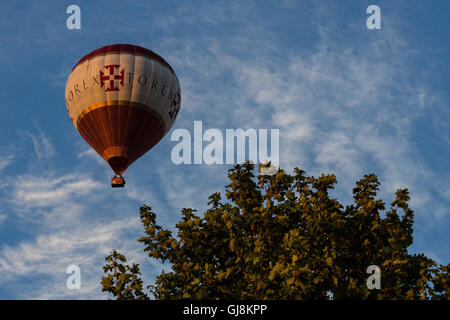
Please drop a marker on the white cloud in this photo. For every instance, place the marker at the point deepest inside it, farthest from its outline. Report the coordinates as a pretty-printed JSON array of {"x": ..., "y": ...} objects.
[
  {"x": 47, "y": 257},
  {"x": 91, "y": 154},
  {"x": 72, "y": 221},
  {"x": 71, "y": 218},
  {"x": 42, "y": 145},
  {"x": 38, "y": 191},
  {"x": 5, "y": 161},
  {"x": 345, "y": 108}
]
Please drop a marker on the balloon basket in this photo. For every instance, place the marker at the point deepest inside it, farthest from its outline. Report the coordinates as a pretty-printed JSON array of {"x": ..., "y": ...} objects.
[{"x": 117, "y": 182}]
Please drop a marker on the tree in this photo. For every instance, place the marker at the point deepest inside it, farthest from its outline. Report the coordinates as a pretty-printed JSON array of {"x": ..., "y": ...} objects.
[{"x": 284, "y": 237}]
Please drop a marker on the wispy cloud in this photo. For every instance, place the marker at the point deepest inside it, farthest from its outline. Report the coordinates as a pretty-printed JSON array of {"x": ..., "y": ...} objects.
[
  {"x": 344, "y": 104},
  {"x": 38, "y": 191},
  {"x": 69, "y": 224},
  {"x": 6, "y": 161},
  {"x": 344, "y": 107},
  {"x": 47, "y": 196},
  {"x": 43, "y": 148},
  {"x": 48, "y": 256}
]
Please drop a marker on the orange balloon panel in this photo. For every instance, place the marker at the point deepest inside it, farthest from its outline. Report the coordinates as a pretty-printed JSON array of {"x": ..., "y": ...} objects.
[{"x": 122, "y": 99}]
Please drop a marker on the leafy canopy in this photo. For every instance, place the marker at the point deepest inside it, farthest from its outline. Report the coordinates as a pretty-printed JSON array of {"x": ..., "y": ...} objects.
[{"x": 284, "y": 237}]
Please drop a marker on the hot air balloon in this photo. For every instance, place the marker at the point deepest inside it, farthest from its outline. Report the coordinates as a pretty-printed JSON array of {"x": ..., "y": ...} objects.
[{"x": 122, "y": 99}]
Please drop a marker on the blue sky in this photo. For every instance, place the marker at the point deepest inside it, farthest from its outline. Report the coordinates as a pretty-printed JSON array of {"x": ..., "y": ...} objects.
[{"x": 347, "y": 100}]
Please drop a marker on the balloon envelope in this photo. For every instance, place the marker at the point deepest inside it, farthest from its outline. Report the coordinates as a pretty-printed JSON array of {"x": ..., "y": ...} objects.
[{"x": 122, "y": 99}]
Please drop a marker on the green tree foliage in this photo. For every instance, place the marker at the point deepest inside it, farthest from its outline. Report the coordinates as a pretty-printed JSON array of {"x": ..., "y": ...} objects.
[
  {"x": 284, "y": 237},
  {"x": 122, "y": 281}
]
